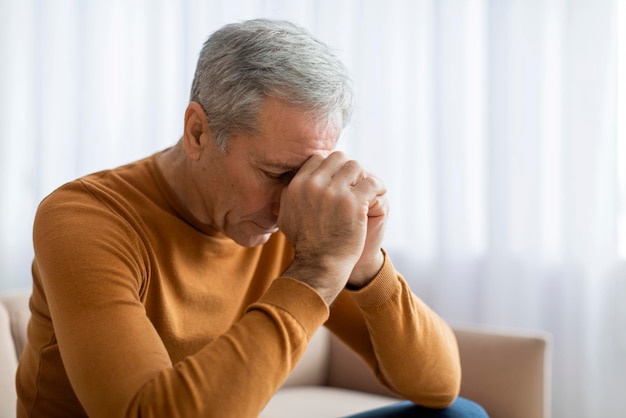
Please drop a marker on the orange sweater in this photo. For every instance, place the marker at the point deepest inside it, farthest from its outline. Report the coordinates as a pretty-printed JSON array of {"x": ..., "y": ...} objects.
[{"x": 139, "y": 311}]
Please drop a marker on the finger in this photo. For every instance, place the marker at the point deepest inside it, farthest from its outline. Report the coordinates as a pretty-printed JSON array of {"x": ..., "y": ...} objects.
[
  {"x": 310, "y": 165},
  {"x": 321, "y": 166},
  {"x": 349, "y": 173},
  {"x": 369, "y": 189},
  {"x": 331, "y": 164},
  {"x": 378, "y": 207}
]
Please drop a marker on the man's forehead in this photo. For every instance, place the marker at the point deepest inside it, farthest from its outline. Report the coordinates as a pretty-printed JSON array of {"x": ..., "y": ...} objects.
[{"x": 289, "y": 135}]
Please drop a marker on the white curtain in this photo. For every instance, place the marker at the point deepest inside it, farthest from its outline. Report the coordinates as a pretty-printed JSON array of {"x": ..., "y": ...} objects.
[{"x": 494, "y": 124}]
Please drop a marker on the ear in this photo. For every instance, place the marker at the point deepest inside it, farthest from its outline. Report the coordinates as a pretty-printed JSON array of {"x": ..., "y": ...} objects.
[{"x": 196, "y": 131}]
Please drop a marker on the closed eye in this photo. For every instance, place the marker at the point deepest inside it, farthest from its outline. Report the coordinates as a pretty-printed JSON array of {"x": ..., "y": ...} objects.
[{"x": 284, "y": 177}]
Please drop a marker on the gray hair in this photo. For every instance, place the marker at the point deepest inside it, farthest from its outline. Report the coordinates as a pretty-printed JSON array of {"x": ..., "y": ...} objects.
[{"x": 243, "y": 63}]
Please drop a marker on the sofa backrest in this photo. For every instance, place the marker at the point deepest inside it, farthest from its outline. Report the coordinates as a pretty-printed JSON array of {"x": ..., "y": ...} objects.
[{"x": 312, "y": 369}]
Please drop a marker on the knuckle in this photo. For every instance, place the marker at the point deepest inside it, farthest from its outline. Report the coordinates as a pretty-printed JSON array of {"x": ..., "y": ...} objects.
[
  {"x": 316, "y": 157},
  {"x": 313, "y": 185},
  {"x": 352, "y": 165},
  {"x": 340, "y": 155}
]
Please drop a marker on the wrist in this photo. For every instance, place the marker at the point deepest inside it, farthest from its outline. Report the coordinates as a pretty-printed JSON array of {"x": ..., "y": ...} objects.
[
  {"x": 366, "y": 270},
  {"x": 324, "y": 279}
]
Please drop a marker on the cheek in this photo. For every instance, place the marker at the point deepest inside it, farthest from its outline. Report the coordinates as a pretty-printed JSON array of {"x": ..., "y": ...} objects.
[
  {"x": 255, "y": 197},
  {"x": 259, "y": 200},
  {"x": 250, "y": 194}
]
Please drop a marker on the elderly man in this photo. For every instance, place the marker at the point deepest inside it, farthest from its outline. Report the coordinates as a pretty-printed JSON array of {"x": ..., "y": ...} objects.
[{"x": 188, "y": 284}]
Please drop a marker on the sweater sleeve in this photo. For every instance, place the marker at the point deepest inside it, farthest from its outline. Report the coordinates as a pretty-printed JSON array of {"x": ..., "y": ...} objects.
[
  {"x": 411, "y": 350},
  {"x": 114, "y": 358},
  {"x": 240, "y": 371}
]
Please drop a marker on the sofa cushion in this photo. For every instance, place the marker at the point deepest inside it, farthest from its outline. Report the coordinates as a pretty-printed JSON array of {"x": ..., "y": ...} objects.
[{"x": 321, "y": 402}]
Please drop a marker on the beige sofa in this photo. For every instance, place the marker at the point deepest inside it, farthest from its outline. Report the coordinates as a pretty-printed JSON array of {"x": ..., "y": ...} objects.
[{"x": 507, "y": 372}]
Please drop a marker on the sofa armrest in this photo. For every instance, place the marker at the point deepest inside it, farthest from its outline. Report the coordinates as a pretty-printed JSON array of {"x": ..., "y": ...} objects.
[{"x": 505, "y": 371}]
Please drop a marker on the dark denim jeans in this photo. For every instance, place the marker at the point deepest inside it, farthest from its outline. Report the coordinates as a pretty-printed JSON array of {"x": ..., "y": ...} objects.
[{"x": 461, "y": 408}]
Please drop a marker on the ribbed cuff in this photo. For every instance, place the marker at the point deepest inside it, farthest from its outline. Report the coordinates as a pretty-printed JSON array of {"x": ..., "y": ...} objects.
[
  {"x": 300, "y": 300},
  {"x": 383, "y": 286}
]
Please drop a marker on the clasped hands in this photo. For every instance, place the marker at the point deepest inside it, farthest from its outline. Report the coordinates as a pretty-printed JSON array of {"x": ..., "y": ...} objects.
[{"x": 334, "y": 212}]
